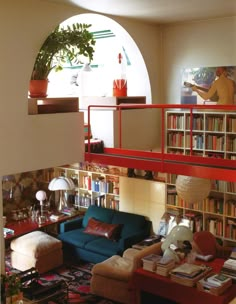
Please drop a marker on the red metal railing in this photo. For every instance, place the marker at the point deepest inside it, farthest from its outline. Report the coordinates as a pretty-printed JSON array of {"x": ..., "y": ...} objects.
[{"x": 192, "y": 165}]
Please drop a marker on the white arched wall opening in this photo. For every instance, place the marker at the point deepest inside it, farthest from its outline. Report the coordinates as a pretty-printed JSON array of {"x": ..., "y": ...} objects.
[{"x": 106, "y": 57}]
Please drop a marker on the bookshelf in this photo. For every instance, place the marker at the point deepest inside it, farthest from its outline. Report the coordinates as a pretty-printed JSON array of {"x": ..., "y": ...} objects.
[
  {"x": 92, "y": 187},
  {"x": 211, "y": 134},
  {"x": 216, "y": 213}
]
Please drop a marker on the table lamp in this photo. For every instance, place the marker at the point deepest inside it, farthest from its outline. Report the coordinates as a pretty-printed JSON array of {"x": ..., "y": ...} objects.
[
  {"x": 41, "y": 196},
  {"x": 61, "y": 184}
]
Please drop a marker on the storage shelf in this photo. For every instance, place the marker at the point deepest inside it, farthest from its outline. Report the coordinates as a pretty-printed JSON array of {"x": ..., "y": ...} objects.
[{"x": 93, "y": 188}]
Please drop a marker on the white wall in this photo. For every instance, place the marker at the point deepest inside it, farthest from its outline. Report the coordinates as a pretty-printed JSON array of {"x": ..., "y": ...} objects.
[
  {"x": 196, "y": 44},
  {"x": 30, "y": 142},
  {"x": 143, "y": 197}
]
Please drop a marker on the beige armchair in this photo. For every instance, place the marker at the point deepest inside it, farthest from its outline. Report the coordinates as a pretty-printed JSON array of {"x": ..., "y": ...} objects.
[{"x": 111, "y": 278}]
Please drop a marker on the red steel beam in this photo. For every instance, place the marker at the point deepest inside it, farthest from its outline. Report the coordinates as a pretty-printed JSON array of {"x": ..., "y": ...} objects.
[{"x": 211, "y": 168}]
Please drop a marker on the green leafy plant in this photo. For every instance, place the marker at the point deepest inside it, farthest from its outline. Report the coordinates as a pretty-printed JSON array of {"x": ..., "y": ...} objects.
[
  {"x": 63, "y": 45},
  {"x": 10, "y": 284}
]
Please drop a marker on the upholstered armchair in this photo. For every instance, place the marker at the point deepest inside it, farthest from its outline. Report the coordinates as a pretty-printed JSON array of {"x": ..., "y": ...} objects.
[
  {"x": 205, "y": 243},
  {"x": 111, "y": 278}
]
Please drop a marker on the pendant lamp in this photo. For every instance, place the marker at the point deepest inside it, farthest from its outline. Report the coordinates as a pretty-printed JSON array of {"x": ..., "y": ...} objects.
[{"x": 192, "y": 189}]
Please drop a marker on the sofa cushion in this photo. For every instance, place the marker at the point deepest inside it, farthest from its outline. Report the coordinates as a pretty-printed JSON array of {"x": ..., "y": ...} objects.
[
  {"x": 102, "y": 214},
  {"x": 132, "y": 223},
  {"x": 77, "y": 237},
  {"x": 104, "y": 247},
  {"x": 110, "y": 231}
]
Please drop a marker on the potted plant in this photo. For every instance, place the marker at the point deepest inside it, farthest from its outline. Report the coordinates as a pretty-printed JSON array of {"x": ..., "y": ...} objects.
[
  {"x": 67, "y": 44},
  {"x": 11, "y": 288}
]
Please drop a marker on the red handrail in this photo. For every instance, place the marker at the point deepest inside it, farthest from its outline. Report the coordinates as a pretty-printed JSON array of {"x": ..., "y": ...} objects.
[{"x": 214, "y": 168}]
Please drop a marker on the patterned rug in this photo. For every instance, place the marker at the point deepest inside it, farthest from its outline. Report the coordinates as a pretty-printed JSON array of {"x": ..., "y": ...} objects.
[{"x": 77, "y": 277}]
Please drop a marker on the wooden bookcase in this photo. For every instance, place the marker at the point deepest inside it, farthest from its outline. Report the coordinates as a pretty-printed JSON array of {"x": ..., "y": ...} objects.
[
  {"x": 213, "y": 134},
  {"x": 92, "y": 187}
]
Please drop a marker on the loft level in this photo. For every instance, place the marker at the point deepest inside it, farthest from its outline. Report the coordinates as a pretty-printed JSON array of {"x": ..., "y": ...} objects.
[
  {"x": 194, "y": 140},
  {"x": 211, "y": 168}
]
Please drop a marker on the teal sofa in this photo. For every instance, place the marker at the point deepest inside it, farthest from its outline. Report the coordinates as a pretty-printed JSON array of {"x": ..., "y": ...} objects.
[{"x": 79, "y": 244}]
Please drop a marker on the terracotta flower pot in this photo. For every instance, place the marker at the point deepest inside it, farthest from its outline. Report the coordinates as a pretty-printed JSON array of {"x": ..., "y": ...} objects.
[{"x": 38, "y": 88}]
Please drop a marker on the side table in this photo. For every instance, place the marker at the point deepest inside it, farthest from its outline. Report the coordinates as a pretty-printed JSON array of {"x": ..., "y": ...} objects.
[{"x": 25, "y": 226}]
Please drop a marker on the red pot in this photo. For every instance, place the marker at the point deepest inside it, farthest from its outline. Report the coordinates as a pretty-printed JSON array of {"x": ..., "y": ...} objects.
[{"x": 38, "y": 88}]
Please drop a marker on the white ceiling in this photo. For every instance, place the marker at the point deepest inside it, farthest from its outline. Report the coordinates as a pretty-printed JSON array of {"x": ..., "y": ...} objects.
[{"x": 159, "y": 11}]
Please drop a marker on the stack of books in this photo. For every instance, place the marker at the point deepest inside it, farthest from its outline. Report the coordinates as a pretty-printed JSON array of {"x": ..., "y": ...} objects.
[
  {"x": 229, "y": 266},
  {"x": 164, "y": 266},
  {"x": 215, "y": 284},
  {"x": 188, "y": 274},
  {"x": 150, "y": 262}
]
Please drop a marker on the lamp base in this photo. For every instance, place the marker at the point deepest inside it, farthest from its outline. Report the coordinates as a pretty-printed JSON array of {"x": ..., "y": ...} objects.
[{"x": 62, "y": 204}]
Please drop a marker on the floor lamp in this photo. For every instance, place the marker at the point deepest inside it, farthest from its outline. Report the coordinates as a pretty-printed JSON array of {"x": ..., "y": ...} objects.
[{"x": 61, "y": 184}]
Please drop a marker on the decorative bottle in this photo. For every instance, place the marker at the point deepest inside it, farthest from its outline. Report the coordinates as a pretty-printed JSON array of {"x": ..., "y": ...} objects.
[{"x": 120, "y": 81}]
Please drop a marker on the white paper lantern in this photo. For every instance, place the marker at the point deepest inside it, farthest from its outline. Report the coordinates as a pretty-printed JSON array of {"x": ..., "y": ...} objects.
[{"x": 192, "y": 189}]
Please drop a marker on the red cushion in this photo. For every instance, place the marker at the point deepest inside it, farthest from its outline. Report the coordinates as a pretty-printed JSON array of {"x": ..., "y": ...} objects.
[
  {"x": 205, "y": 242},
  {"x": 110, "y": 231}
]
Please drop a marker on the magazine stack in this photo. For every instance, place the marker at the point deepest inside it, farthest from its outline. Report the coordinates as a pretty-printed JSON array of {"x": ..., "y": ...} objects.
[{"x": 188, "y": 274}]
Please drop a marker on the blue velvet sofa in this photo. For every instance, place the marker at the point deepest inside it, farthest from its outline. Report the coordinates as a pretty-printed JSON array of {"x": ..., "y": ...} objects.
[{"x": 79, "y": 244}]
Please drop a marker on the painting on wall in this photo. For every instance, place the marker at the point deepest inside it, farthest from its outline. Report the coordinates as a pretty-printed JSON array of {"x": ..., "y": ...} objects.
[{"x": 202, "y": 77}]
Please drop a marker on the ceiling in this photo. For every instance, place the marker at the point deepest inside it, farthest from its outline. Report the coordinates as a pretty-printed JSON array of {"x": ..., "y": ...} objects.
[{"x": 159, "y": 11}]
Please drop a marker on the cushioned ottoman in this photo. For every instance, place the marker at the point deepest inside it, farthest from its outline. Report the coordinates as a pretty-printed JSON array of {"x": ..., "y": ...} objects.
[{"x": 36, "y": 249}]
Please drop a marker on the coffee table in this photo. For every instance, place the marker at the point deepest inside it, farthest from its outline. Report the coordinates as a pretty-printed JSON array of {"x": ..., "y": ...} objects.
[{"x": 144, "y": 281}]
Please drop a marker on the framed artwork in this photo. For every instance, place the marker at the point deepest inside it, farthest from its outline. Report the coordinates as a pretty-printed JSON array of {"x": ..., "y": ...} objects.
[{"x": 202, "y": 77}]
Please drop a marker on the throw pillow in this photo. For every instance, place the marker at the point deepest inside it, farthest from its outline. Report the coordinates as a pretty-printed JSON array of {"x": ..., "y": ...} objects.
[{"x": 110, "y": 231}]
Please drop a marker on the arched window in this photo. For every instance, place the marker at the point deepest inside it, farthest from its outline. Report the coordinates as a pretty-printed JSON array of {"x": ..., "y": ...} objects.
[{"x": 111, "y": 39}]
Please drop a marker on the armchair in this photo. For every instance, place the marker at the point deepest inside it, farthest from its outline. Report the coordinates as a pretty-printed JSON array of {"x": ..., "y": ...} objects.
[
  {"x": 205, "y": 243},
  {"x": 112, "y": 278}
]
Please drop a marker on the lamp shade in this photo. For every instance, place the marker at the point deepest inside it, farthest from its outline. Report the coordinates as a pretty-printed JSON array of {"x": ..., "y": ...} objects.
[
  {"x": 192, "y": 189},
  {"x": 41, "y": 195},
  {"x": 178, "y": 233},
  {"x": 61, "y": 183}
]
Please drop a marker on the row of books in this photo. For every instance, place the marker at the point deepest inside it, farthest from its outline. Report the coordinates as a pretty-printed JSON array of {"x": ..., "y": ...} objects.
[
  {"x": 215, "y": 226},
  {"x": 175, "y": 122},
  {"x": 231, "y": 124},
  {"x": 214, "y": 142},
  {"x": 231, "y": 187},
  {"x": 231, "y": 144},
  {"x": 214, "y": 205},
  {"x": 197, "y": 141},
  {"x": 215, "y": 124},
  {"x": 197, "y": 123},
  {"x": 230, "y": 229},
  {"x": 176, "y": 139},
  {"x": 230, "y": 208}
]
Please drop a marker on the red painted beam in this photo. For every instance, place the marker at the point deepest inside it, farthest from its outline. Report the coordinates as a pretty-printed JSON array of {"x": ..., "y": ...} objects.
[{"x": 211, "y": 168}]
